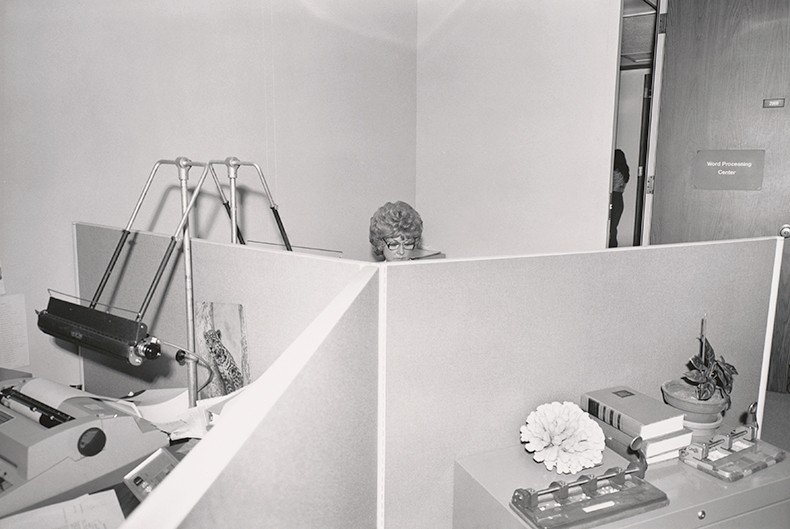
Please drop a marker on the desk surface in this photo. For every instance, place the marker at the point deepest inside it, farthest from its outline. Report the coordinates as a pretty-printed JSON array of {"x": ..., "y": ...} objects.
[{"x": 484, "y": 485}]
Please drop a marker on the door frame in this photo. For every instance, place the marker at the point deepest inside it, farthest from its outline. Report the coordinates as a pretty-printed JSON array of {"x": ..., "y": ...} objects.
[{"x": 652, "y": 132}]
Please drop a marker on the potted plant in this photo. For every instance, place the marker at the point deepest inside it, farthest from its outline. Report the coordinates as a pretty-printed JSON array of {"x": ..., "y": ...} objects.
[{"x": 703, "y": 393}]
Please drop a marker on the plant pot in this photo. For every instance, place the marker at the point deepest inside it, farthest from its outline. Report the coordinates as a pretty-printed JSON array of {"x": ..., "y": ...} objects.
[
  {"x": 683, "y": 395},
  {"x": 703, "y": 431}
]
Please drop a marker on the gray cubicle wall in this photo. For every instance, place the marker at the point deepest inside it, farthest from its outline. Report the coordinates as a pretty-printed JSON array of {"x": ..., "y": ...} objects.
[
  {"x": 298, "y": 448},
  {"x": 474, "y": 346},
  {"x": 281, "y": 292}
]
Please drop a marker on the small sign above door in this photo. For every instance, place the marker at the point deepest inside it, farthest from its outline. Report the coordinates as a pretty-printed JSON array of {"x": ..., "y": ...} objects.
[{"x": 735, "y": 169}]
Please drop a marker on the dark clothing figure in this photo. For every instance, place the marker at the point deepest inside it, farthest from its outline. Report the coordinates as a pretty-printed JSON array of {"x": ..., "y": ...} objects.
[
  {"x": 620, "y": 176},
  {"x": 617, "y": 212}
]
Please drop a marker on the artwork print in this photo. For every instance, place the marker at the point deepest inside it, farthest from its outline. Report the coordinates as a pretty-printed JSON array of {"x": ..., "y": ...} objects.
[{"x": 221, "y": 341}]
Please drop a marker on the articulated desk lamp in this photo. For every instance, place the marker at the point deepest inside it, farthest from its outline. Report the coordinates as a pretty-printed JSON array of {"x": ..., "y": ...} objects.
[
  {"x": 128, "y": 338},
  {"x": 233, "y": 165}
]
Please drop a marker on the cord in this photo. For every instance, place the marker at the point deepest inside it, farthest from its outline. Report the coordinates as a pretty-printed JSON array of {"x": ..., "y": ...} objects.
[{"x": 182, "y": 355}]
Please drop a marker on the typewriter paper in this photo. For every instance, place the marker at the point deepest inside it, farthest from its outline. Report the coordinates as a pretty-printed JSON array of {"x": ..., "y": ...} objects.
[
  {"x": 51, "y": 393},
  {"x": 90, "y": 511}
]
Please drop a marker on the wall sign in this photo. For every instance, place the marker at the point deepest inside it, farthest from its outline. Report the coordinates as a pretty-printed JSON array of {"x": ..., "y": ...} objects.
[{"x": 736, "y": 169}]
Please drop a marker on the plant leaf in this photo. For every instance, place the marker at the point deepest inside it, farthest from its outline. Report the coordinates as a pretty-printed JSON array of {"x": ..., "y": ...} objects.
[
  {"x": 710, "y": 356},
  {"x": 709, "y": 370},
  {"x": 725, "y": 381},
  {"x": 696, "y": 361},
  {"x": 718, "y": 373},
  {"x": 728, "y": 367},
  {"x": 706, "y": 390},
  {"x": 695, "y": 377}
]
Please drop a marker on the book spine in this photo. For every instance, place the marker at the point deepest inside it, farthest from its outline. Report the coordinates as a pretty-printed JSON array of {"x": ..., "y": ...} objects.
[
  {"x": 619, "y": 441},
  {"x": 610, "y": 416}
]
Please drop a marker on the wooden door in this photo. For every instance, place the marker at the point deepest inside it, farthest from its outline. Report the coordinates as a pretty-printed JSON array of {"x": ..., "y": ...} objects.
[{"x": 723, "y": 59}]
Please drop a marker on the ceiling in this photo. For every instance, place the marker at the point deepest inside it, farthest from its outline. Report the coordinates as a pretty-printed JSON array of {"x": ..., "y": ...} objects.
[
  {"x": 636, "y": 7},
  {"x": 636, "y": 47}
]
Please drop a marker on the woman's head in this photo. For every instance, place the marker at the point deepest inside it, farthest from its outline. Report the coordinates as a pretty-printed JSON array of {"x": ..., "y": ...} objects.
[
  {"x": 620, "y": 164},
  {"x": 395, "y": 230}
]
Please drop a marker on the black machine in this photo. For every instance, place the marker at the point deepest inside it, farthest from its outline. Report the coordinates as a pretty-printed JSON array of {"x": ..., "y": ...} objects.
[{"x": 108, "y": 333}]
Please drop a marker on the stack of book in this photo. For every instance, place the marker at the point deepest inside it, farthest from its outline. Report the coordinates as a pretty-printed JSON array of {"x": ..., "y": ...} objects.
[{"x": 632, "y": 421}]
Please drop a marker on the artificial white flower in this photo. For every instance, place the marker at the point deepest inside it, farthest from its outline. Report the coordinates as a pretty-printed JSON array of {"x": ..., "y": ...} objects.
[{"x": 563, "y": 436}]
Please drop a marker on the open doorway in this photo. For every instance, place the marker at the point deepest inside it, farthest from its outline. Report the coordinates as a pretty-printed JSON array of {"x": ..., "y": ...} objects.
[
  {"x": 629, "y": 140},
  {"x": 633, "y": 113}
]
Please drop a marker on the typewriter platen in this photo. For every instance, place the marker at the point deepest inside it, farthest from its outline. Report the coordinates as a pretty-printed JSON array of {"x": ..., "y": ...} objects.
[{"x": 57, "y": 443}]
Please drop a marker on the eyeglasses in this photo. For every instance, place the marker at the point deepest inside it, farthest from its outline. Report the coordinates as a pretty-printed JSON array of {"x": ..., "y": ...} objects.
[{"x": 393, "y": 245}]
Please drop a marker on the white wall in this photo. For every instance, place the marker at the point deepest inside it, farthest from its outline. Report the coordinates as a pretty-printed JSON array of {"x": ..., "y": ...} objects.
[
  {"x": 515, "y": 124},
  {"x": 343, "y": 93}
]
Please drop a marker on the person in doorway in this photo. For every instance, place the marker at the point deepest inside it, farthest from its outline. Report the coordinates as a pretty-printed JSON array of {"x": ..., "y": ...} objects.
[
  {"x": 620, "y": 176},
  {"x": 395, "y": 231}
]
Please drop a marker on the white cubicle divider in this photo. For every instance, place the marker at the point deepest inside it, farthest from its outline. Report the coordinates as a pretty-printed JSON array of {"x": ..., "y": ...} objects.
[
  {"x": 279, "y": 292},
  {"x": 359, "y": 421},
  {"x": 473, "y": 347},
  {"x": 298, "y": 447}
]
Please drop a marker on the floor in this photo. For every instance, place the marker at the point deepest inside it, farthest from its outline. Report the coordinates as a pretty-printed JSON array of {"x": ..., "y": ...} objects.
[{"x": 776, "y": 420}]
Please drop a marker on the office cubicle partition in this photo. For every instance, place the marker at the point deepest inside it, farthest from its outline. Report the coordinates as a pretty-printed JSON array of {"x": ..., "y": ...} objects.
[
  {"x": 298, "y": 447},
  {"x": 279, "y": 293},
  {"x": 474, "y": 346},
  {"x": 464, "y": 350}
]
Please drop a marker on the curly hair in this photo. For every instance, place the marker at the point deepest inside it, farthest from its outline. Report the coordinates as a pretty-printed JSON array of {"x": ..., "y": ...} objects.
[{"x": 392, "y": 220}]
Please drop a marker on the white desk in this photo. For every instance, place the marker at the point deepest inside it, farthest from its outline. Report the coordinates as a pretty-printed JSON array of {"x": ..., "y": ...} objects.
[{"x": 484, "y": 485}]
